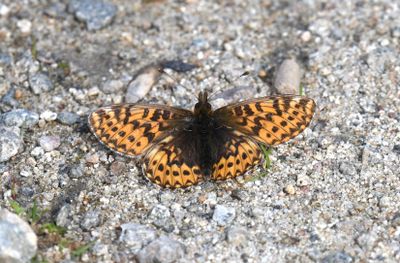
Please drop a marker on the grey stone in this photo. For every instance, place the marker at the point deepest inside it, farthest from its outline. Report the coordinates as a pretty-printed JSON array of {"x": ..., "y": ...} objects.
[
  {"x": 347, "y": 168},
  {"x": 10, "y": 142},
  {"x": 135, "y": 236},
  {"x": 20, "y": 118},
  {"x": 56, "y": 10},
  {"x": 96, "y": 14},
  {"x": 288, "y": 77},
  {"x": 161, "y": 217},
  {"x": 67, "y": 118},
  {"x": 112, "y": 86},
  {"x": 117, "y": 168},
  {"x": 40, "y": 83},
  {"x": 76, "y": 171},
  {"x": 163, "y": 250},
  {"x": 49, "y": 143},
  {"x": 223, "y": 215},
  {"x": 237, "y": 235},
  {"x": 6, "y": 59},
  {"x": 9, "y": 98},
  {"x": 18, "y": 242},
  {"x": 142, "y": 83},
  {"x": 63, "y": 216},
  {"x": 337, "y": 257},
  {"x": 91, "y": 219}
]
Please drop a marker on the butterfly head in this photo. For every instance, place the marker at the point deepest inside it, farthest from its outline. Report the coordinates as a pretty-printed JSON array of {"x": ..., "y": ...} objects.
[{"x": 202, "y": 107}]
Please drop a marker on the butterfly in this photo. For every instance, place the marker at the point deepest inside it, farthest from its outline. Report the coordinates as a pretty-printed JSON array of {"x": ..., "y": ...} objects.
[{"x": 179, "y": 147}]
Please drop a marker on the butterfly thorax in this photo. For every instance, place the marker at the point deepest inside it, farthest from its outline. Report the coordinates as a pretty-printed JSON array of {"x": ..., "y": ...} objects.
[{"x": 203, "y": 120}]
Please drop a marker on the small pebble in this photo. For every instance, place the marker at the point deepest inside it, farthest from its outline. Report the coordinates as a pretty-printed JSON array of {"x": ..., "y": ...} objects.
[
  {"x": 91, "y": 219},
  {"x": 49, "y": 143},
  {"x": 163, "y": 249},
  {"x": 24, "y": 25},
  {"x": 142, "y": 83},
  {"x": 161, "y": 217},
  {"x": 117, "y": 168},
  {"x": 288, "y": 77},
  {"x": 92, "y": 158},
  {"x": 289, "y": 189},
  {"x": 112, "y": 86},
  {"x": 135, "y": 236},
  {"x": 25, "y": 173},
  {"x": 96, "y": 14},
  {"x": 4, "y": 10},
  {"x": 385, "y": 202},
  {"x": 48, "y": 116},
  {"x": 303, "y": 180},
  {"x": 223, "y": 215},
  {"x": 20, "y": 118},
  {"x": 10, "y": 142},
  {"x": 237, "y": 235},
  {"x": 40, "y": 83},
  {"x": 9, "y": 98},
  {"x": 305, "y": 36},
  {"x": 37, "y": 151},
  {"x": 67, "y": 118}
]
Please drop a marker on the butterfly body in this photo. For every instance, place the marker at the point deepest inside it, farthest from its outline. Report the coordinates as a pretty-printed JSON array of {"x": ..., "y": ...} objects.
[{"x": 180, "y": 147}]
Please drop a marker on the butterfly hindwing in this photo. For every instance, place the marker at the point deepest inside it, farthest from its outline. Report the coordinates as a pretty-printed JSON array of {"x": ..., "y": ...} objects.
[
  {"x": 236, "y": 155},
  {"x": 132, "y": 128},
  {"x": 269, "y": 120},
  {"x": 174, "y": 162}
]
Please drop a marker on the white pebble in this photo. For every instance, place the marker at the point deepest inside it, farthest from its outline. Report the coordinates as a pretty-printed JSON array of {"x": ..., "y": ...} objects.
[
  {"x": 24, "y": 25},
  {"x": 305, "y": 36},
  {"x": 48, "y": 115},
  {"x": 4, "y": 10},
  {"x": 37, "y": 151},
  {"x": 25, "y": 173},
  {"x": 302, "y": 180}
]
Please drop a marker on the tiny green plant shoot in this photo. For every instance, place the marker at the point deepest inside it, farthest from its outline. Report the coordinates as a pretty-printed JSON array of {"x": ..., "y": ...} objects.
[
  {"x": 301, "y": 90},
  {"x": 266, "y": 165},
  {"x": 82, "y": 249}
]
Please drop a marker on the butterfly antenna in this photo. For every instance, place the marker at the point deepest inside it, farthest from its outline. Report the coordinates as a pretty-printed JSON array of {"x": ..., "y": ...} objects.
[{"x": 228, "y": 82}]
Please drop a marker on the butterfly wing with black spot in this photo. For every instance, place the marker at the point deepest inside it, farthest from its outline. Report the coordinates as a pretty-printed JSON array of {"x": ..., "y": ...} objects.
[
  {"x": 234, "y": 154},
  {"x": 131, "y": 129},
  {"x": 269, "y": 120},
  {"x": 174, "y": 162}
]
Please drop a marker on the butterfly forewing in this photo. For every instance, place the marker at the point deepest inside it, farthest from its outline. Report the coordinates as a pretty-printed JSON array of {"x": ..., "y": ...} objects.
[
  {"x": 131, "y": 128},
  {"x": 269, "y": 120}
]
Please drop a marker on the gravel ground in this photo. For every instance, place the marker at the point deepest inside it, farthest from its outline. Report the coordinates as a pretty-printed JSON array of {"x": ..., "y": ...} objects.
[{"x": 330, "y": 195}]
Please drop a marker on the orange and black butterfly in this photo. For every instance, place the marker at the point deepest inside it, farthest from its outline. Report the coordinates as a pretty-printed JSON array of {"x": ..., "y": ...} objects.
[{"x": 180, "y": 147}]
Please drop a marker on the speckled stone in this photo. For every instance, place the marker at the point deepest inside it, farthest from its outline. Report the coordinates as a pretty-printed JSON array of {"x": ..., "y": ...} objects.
[
  {"x": 40, "y": 83},
  {"x": 135, "y": 236},
  {"x": 20, "y": 118},
  {"x": 10, "y": 142},
  {"x": 223, "y": 215},
  {"x": 163, "y": 249},
  {"x": 18, "y": 242},
  {"x": 49, "y": 143},
  {"x": 96, "y": 14}
]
